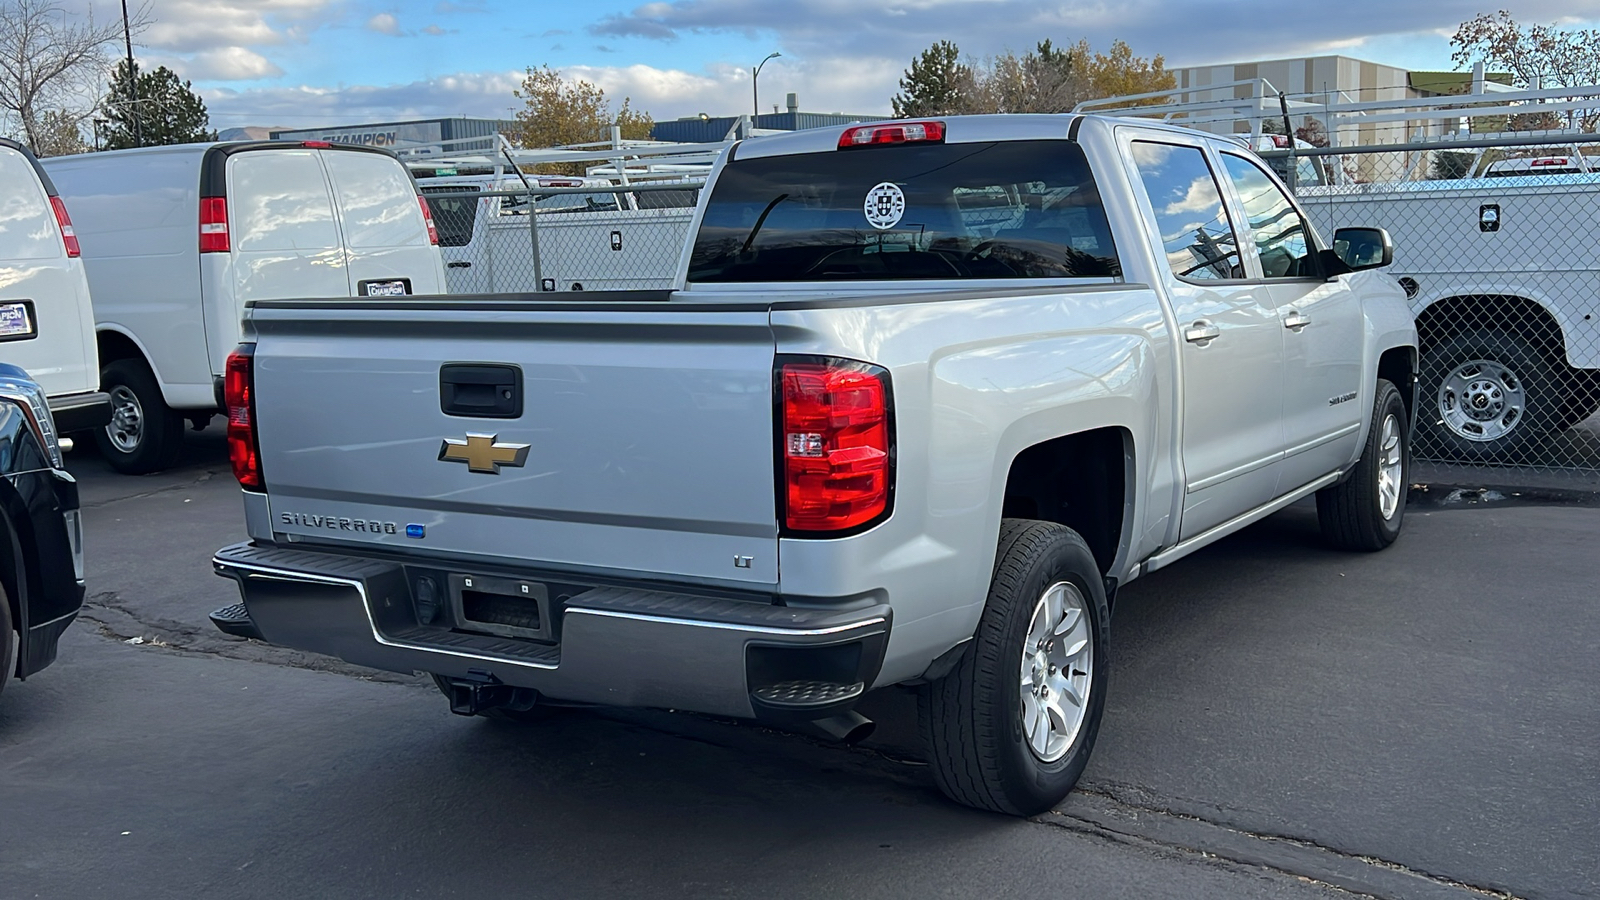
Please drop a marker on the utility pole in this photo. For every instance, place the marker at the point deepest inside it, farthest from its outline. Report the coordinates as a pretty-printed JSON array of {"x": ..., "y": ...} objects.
[{"x": 133, "y": 79}]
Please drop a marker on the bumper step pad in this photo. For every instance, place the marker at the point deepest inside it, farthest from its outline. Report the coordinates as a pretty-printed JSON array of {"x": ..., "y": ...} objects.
[
  {"x": 235, "y": 620},
  {"x": 803, "y": 694}
]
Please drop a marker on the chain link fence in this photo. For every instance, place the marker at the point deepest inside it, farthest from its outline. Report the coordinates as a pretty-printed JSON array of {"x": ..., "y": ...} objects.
[
  {"x": 1497, "y": 245},
  {"x": 589, "y": 238}
]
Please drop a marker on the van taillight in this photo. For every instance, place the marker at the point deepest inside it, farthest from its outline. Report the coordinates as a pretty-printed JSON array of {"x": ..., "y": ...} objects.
[
  {"x": 427, "y": 216},
  {"x": 836, "y": 449},
  {"x": 213, "y": 224},
  {"x": 69, "y": 237},
  {"x": 238, "y": 394}
]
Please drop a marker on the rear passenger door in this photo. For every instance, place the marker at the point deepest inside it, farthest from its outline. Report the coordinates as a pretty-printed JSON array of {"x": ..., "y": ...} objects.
[
  {"x": 385, "y": 236},
  {"x": 1230, "y": 340},
  {"x": 1324, "y": 402}
]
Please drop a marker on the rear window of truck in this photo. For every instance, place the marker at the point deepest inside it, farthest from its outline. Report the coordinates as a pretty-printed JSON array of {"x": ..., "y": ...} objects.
[{"x": 1011, "y": 209}]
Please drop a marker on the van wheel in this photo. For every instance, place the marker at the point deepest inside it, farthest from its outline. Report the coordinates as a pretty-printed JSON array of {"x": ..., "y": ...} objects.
[
  {"x": 1486, "y": 396},
  {"x": 1010, "y": 728},
  {"x": 8, "y": 639},
  {"x": 1365, "y": 511},
  {"x": 1583, "y": 397},
  {"x": 144, "y": 435}
]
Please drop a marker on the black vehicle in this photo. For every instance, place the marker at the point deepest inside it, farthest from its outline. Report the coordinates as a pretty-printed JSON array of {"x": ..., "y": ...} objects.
[{"x": 41, "y": 535}]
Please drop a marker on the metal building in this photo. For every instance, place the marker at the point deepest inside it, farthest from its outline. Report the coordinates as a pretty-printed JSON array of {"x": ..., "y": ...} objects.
[
  {"x": 457, "y": 134},
  {"x": 705, "y": 129}
]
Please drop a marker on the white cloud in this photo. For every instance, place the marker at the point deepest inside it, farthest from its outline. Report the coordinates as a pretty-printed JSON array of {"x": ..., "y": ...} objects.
[
  {"x": 486, "y": 94},
  {"x": 384, "y": 23},
  {"x": 228, "y": 64},
  {"x": 186, "y": 26}
]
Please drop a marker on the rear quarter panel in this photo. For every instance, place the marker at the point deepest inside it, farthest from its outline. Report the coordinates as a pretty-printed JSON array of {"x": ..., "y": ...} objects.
[{"x": 976, "y": 381}]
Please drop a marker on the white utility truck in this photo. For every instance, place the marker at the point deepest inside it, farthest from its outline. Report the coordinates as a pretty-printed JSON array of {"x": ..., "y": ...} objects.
[
  {"x": 926, "y": 393},
  {"x": 46, "y": 322},
  {"x": 177, "y": 239}
]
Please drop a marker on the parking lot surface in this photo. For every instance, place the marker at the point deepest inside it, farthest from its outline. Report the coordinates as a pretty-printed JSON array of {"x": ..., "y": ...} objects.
[{"x": 1283, "y": 721}]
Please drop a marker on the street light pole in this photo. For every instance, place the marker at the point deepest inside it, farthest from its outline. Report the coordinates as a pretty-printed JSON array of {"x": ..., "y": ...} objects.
[{"x": 755, "y": 73}]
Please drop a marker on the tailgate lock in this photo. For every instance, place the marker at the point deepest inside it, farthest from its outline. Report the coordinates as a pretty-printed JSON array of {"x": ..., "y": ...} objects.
[{"x": 480, "y": 390}]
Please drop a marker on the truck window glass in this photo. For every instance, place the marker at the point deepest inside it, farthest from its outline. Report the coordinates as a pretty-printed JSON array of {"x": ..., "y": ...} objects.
[
  {"x": 1018, "y": 209},
  {"x": 455, "y": 209},
  {"x": 1280, "y": 233},
  {"x": 1199, "y": 242},
  {"x": 278, "y": 200},
  {"x": 377, "y": 201},
  {"x": 27, "y": 226}
]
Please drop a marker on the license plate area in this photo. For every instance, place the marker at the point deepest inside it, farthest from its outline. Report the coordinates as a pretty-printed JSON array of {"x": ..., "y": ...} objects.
[
  {"x": 504, "y": 607},
  {"x": 17, "y": 322},
  {"x": 386, "y": 287}
]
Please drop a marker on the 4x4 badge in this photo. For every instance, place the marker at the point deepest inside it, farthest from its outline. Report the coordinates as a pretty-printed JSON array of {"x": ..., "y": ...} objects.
[{"x": 483, "y": 453}]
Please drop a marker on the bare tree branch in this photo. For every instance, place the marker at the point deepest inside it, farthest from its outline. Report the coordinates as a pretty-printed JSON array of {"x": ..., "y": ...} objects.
[{"x": 51, "y": 61}]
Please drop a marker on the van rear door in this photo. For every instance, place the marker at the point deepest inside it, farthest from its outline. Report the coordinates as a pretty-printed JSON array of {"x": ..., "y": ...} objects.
[
  {"x": 385, "y": 235},
  {"x": 46, "y": 325},
  {"x": 285, "y": 238}
]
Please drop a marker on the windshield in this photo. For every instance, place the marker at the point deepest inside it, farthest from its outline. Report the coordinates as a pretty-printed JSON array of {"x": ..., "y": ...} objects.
[{"x": 1015, "y": 209}]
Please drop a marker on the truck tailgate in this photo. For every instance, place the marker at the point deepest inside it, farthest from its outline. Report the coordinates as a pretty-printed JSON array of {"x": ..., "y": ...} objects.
[{"x": 648, "y": 433}]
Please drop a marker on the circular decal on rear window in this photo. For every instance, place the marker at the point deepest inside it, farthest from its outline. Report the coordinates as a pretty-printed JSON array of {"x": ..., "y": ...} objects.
[{"x": 886, "y": 203}]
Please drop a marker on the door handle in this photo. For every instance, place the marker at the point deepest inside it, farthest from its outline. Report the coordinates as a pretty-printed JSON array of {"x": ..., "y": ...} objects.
[
  {"x": 1201, "y": 332},
  {"x": 458, "y": 264},
  {"x": 1295, "y": 321}
]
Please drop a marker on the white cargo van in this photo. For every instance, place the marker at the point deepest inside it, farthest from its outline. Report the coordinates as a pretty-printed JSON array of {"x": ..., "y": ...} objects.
[
  {"x": 46, "y": 323},
  {"x": 177, "y": 239}
]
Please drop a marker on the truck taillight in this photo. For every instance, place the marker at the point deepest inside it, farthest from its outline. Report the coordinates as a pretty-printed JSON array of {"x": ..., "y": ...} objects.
[
  {"x": 69, "y": 237},
  {"x": 238, "y": 393},
  {"x": 213, "y": 224},
  {"x": 427, "y": 216},
  {"x": 837, "y": 445}
]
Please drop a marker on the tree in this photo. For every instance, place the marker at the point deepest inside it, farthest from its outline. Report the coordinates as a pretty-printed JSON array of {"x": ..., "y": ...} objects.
[
  {"x": 1120, "y": 73},
  {"x": 937, "y": 84},
  {"x": 59, "y": 133},
  {"x": 49, "y": 61},
  {"x": 1537, "y": 56},
  {"x": 166, "y": 108},
  {"x": 557, "y": 112}
]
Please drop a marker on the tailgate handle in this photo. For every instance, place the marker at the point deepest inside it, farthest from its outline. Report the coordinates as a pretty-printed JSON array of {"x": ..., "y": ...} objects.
[{"x": 480, "y": 390}]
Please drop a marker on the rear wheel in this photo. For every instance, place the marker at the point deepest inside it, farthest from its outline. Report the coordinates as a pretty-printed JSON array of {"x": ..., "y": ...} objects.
[
  {"x": 144, "y": 435},
  {"x": 1486, "y": 395},
  {"x": 1010, "y": 728}
]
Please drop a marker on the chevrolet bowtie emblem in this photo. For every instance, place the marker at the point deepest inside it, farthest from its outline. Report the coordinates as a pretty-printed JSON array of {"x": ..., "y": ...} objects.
[{"x": 483, "y": 453}]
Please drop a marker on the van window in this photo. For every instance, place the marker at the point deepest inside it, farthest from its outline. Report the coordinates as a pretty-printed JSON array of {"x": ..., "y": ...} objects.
[
  {"x": 27, "y": 225},
  {"x": 377, "y": 200},
  {"x": 278, "y": 200},
  {"x": 1199, "y": 242},
  {"x": 455, "y": 209},
  {"x": 1013, "y": 209}
]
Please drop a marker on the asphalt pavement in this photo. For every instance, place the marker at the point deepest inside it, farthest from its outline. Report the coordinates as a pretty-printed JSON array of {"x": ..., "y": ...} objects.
[{"x": 1283, "y": 721}]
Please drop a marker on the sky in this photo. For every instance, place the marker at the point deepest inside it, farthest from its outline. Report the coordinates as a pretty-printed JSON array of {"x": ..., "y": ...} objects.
[{"x": 310, "y": 63}]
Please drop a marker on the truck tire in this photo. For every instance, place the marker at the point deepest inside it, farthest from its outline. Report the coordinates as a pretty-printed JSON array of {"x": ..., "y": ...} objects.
[
  {"x": 8, "y": 637},
  {"x": 1583, "y": 397},
  {"x": 144, "y": 435},
  {"x": 1010, "y": 728},
  {"x": 1365, "y": 511},
  {"x": 1486, "y": 395}
]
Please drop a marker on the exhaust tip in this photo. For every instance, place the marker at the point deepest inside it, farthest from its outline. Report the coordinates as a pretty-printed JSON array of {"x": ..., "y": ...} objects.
[{"x": 849, "y": 727}]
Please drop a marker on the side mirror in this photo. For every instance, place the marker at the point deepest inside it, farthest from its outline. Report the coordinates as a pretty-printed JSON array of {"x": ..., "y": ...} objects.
[{"x": 1361, "y": 248}]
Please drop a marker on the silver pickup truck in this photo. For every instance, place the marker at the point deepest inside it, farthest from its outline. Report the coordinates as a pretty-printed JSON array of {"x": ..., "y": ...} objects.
[{"x": 929, "y": 393}]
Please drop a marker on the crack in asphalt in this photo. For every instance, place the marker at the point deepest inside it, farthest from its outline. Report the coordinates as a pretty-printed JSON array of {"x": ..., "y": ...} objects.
[{"x": 1098, "y": 808}]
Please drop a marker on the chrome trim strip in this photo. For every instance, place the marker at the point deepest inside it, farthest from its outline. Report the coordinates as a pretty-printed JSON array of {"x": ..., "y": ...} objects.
[
  {"x": 730, "y": 626},
  {"x": 1233, "y": 473},
  {"x": 1177, "y": 551},
  {"x": 1317, "y": 442}
]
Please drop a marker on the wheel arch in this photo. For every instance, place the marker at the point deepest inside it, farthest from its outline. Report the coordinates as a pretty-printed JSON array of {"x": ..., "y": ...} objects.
[
  {"x": 1085, "y": 481},
  {"x": 1463, "y": 311},
  {"x": 1399, "y": 366}
]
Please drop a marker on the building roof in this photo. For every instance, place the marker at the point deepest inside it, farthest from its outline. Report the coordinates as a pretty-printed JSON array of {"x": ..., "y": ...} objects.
[{"x": 1452, "y": 82}]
